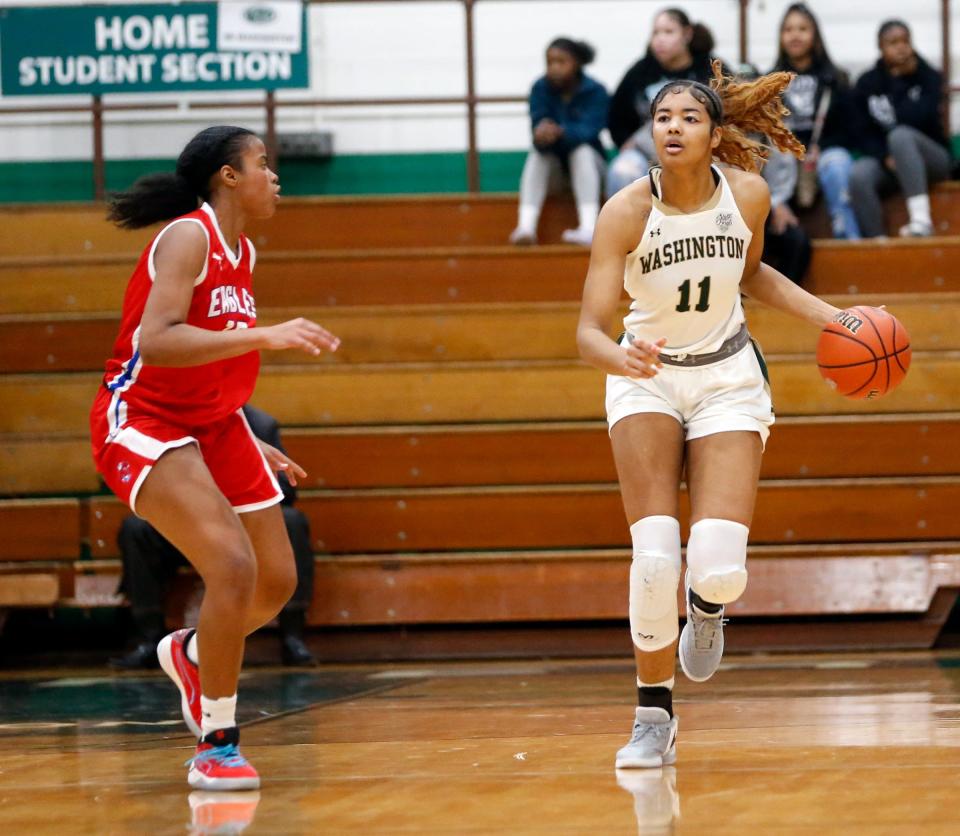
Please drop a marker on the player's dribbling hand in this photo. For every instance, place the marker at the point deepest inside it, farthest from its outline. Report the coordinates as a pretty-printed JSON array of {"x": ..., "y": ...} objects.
[
  {"x": 280, "y": 462},
  {"x": 300, "y": 333},
  {"x": 642, "y": 359}
]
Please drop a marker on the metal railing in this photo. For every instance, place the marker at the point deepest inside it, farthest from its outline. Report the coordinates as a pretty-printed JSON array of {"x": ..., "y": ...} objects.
[{"x": 270, "y": 103}]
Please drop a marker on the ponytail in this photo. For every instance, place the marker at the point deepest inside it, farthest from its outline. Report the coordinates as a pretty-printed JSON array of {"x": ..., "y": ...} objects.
[
  {"x": 741, "y": 109},
  {"x": 701, "y": 41},
  {"x": 152, "y": 198},
  {"x": 162, "y": 197},
  {"x": 753, "y": 107},
  {"x": 581, "y": 51}
]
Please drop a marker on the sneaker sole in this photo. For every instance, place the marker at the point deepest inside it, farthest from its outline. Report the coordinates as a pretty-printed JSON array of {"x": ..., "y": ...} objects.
[
  {"x": 165, "y": 655},
  {"x": 199, "y": 781},
  {"x": 668, "y": 759}
]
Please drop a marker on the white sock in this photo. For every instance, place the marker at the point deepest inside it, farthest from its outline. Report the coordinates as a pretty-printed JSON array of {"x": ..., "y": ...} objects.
[
  {"x": 667, "y": 683},
  {"x": 217, "y": 714},
  {"x": 918, "y": 207},
  {"x": 192, "y": 653},
  {"x": 529, "y": 218},
  {"x": 588, "y": 212}
]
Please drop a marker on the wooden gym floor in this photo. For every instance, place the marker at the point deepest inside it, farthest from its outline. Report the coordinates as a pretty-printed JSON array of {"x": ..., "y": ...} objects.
[{"x": 855, "y": 743}]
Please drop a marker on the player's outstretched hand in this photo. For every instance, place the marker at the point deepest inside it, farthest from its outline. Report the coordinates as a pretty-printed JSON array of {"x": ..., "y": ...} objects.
[
  {"x": 642, "y": 359},
  {"x": 280, "y": 462},
  {"x": 300, "y": 333}
]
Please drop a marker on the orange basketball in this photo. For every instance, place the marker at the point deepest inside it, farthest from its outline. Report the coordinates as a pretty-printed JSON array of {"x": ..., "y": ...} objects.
[{"x": 864, "y": 352}]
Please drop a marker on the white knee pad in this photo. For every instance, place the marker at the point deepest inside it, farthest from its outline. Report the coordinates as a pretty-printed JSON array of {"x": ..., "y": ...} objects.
[
  {"x": 654, "y": 576},
  {"x": 717, "y": 560}
]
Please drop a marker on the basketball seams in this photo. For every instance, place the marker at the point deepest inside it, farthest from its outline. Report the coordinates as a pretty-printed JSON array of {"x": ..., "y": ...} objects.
[
  {"x": 866, "y": 315},
  {"x": 863, "y": 385},
  {"x": 897, "y": 351},
  {"x": 844, "y": 374},
  {"x": 896, "y": 357},
  {"x": 852, "y": 339},
  {"x": 874, "y": 360},
  {"x": 863, "y": 362}
]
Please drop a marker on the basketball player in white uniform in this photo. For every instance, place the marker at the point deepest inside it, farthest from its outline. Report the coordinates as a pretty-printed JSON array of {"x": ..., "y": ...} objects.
[{"x": 686, "y": 385}]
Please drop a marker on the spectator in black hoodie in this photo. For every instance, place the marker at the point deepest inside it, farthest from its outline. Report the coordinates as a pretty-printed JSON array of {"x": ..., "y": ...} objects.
[
  {"x": 898, "y": 103},
  {"x": 819, "y": 99},
  {"x": 678, "y": 49}
]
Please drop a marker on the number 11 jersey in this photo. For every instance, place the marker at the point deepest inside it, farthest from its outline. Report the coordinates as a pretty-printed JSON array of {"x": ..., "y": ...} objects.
[{"x": 684, "y": 276}]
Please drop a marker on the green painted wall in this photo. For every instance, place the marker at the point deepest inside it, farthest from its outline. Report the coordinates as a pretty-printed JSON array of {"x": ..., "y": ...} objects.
[{"x": 340, "y": 175}]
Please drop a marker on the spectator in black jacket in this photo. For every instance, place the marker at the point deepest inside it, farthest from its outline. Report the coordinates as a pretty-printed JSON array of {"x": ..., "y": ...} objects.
[
  {"x": 568, "y": 110},
  {"x": 819, "y": 100},
  {"x": 786, "y": 245},
  {"x": 677, "y": 49},
  {"x": 150, "y": 563},
  {"x": 898, "y": 103}
]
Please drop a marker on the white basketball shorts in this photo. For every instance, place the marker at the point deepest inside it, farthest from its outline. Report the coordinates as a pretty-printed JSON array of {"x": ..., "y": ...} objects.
[{"x": 729, "y": 395}]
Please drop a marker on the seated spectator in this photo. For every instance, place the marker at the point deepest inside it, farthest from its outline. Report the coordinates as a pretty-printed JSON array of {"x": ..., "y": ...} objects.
[
  {"x": 150, "y": 563},
  {"x": 898, "y": 104},
  {"x": 786, "y": 245},
  {"x": 678, "y": 49},
  {"x": 819, "y": 100},
  {"x": 568, "y": 110}
]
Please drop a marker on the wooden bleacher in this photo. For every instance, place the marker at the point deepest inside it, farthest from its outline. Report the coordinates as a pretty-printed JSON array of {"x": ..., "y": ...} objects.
[{"x": 459, "y": 467}]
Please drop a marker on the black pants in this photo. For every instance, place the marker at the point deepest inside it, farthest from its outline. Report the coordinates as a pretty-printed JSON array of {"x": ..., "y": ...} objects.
[
  {"x": 150, "y": 563},
  {"x": 788, "y": 252}
]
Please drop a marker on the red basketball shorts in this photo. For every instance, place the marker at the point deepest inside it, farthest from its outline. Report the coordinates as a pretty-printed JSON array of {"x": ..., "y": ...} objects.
[{"x": 126, "y": 452}]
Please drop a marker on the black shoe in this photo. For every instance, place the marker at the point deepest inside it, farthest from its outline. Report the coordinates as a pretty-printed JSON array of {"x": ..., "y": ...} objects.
[
  {"x": 295, "y": 653},
  {"x": 142, "y": 657}
]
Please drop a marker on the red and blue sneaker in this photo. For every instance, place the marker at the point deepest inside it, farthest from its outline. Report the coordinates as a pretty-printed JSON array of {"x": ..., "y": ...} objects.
[
  {"x": 172, "y": 653},
  {"x": 218, "y": 764}
]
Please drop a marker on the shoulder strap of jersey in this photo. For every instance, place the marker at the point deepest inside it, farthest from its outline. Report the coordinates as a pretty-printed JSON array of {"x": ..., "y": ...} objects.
[
  {"x": 654, "y": 174},
  {"x": 726, "y": 197}
]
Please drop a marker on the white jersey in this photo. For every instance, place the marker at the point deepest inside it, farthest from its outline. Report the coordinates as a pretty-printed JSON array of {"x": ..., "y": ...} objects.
[{"x": 684, "y": 276}]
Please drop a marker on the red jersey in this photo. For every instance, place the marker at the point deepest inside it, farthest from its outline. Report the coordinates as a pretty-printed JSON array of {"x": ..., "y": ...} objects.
[{"x": 188, "y": 396}]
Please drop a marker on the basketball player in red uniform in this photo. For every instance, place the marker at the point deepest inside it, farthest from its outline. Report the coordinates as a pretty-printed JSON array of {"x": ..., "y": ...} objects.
[{"x": 168, "y": 435}]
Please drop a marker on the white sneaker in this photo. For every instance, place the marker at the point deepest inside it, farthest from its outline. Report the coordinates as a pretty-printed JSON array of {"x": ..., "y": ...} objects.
[
  {"x": 579, "y": 236},
  {"x": 653, "y": 743},
  {"x": 522, "y": 237},
  {"x": 916, "y": 229}
]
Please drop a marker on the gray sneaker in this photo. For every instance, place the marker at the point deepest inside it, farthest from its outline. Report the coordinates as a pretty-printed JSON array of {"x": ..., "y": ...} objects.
[
  {"x": 653, "y": 743},
  {"x": 701, "y": 642}
]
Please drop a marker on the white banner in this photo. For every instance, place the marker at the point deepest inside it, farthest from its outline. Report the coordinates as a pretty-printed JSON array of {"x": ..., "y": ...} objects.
[{"x": 274, "y": 25}]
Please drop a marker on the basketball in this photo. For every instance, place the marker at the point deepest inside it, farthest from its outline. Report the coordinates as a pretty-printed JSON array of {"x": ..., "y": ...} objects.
[{"x": 864, "y": 352}]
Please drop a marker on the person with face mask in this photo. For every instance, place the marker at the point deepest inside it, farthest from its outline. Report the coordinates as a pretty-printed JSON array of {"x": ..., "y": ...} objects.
[{"x": 678, "y": 50}]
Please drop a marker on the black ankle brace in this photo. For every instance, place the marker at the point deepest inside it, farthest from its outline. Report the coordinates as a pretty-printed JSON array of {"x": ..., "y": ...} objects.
[
  {"x": 704, "y": 606},
  {"x": 655, "y": 697},
  {"x": 223, "y": 737}
]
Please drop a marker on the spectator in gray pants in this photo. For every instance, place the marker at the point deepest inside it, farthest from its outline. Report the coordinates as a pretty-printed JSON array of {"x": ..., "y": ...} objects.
[{"x": 898, "y": 104}]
